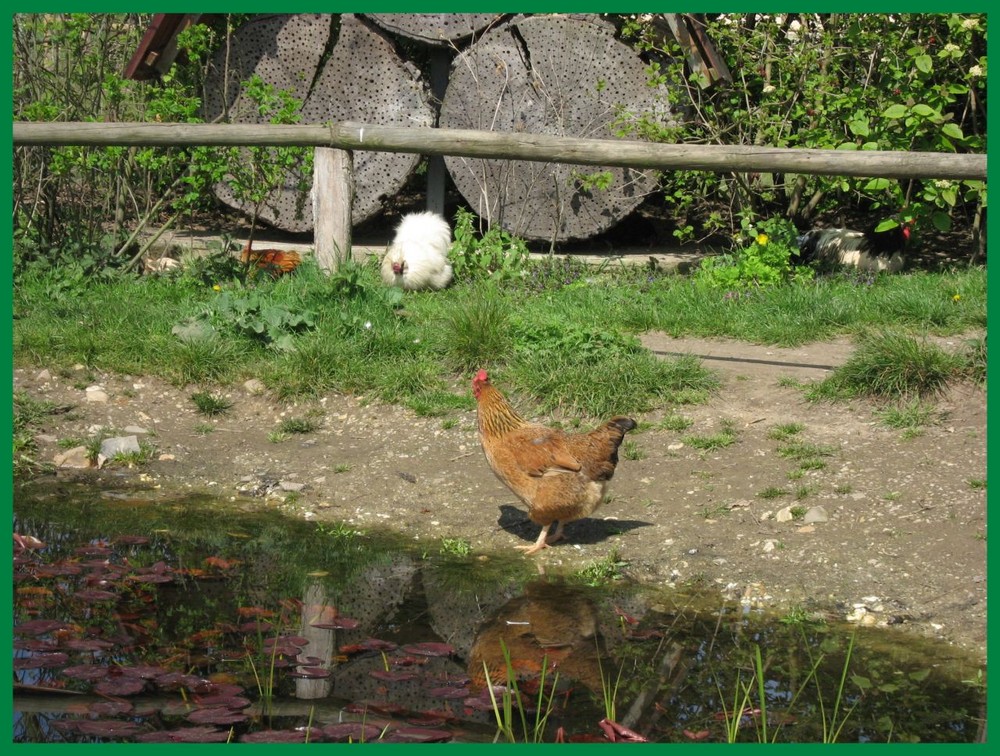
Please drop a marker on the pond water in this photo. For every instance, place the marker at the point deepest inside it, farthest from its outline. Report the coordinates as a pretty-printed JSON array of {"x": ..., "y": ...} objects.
[{"x": 146, "y": 616}]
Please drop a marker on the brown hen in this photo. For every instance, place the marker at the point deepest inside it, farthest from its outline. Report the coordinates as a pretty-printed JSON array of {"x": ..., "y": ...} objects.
[
  {"x": 561, "y": 477},
  {"x": 274, "y": 261}
]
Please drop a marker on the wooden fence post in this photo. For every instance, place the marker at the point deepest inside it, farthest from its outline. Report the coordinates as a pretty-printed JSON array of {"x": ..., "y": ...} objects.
[{"x": 333, "y": 193}]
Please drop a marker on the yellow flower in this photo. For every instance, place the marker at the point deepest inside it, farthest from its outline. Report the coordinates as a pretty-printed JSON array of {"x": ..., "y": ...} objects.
[
  {"x": 762, "y": 239},
  {"x": 956, "y": 297},
  {"x": 216, "y": 288}
]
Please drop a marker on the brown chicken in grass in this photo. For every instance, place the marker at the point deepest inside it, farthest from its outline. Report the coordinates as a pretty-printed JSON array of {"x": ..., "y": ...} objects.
[
  {"x": 274, "y": 261},
  {"x": 560, "y": 476}
]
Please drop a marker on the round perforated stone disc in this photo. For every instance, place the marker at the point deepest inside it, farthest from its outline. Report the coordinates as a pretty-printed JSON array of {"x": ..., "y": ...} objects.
[
  {"x": 564, "y": 75},
  {"x": 434, "y": 28},
  {"x": 341, "y": 69}
]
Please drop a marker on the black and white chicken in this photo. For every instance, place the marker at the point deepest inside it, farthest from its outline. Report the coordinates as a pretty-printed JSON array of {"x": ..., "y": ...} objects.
[{"x": 871, "y": 249}]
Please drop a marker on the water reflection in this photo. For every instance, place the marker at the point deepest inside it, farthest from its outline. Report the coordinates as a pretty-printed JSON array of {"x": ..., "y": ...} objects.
[{"x": 202, "y": 620}]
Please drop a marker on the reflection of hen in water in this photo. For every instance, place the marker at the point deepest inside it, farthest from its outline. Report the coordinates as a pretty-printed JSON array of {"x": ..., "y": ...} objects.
[{"x": 554, "y": 621}]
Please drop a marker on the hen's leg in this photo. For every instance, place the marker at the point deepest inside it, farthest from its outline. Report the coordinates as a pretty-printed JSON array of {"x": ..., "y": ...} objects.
[
  {"x": 557, "y": 536},
  {"x": 539, "y": 544}
]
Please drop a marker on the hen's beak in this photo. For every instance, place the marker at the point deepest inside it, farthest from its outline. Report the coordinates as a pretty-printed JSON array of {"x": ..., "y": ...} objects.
[{"x": 397, "y": 268}]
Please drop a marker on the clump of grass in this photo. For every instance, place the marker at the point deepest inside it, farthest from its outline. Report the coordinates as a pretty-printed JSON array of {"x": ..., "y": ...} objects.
[
  {"x": 725, "y": 437},
  {"x": 908, "y": 415},
  {"x": 292, "y": 425},
  {"x": 977, "y": 484},
  {"x": 801, "y": 450},
  {"x": 785, "y": 431},
  {"x": 343, "y": 467},
  {"x": 511, "y": 698},
  {"x": 211, "y": 404},
  {"x": 28, "y": 414},
  {"x": 475, "y": 330},
  {"x": 891, "y": 366},
  {"x": 456, "y": 547},
  {"x": 772, "y": 492},
  {"x": 974, "y": 358},
  {"x": 631, "y": 450},
  {"x": 710, "y": 512},
  {"x": 676, "y": 423},
  {"x": 603, "y": 570}
]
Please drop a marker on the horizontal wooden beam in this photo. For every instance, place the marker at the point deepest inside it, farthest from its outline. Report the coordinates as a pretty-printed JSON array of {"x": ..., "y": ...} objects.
[{"x": 508, "y": 146}]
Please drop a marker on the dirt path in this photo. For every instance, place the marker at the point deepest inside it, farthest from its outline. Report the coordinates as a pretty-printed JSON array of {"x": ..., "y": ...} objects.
[{"x": 894, "y": 530}]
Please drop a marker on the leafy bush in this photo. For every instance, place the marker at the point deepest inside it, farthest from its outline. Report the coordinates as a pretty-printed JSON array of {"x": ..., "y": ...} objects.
[
  {"x": 497, "y": 254},
  {"x": 919, "y": 83},
  {"x": 767, "y": 259}
]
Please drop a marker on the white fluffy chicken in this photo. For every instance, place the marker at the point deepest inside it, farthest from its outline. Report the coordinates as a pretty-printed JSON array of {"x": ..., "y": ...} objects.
[{"x": 418, "y": 256}]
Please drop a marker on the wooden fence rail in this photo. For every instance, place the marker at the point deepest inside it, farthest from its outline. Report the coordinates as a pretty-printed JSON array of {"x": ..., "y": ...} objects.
[
  {"x": 331, "y": 186},
  {"x": 501, "y": 145}
]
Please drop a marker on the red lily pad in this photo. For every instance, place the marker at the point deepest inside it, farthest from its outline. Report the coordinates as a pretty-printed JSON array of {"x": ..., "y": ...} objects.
[
  {"x": 283, "y": 736},
  {"x": 143, "y": 671},
  {"x": 110, "y": 708},
  {"x": 374, "y": 644},
  {"x": 353, "y": 731},
  {"x": 39, "y": 627},
  {"x": 217, "y": 715},
  {"x": 107, "y": 728},
  {"x": 185, "y": 735},
  {"x": 430, "y": 649},
  {"x": 87, "y": 672},
  {"x": 448, "y": 692},
  {"x": 95, "y": 595},
  {"x": 120, "y": 686},
  {"x": 418, "y": 735},
  {"x": 41, "y": 660},
  {"x": 393, "y": 675},
  {"x": 87, "y": 644}
]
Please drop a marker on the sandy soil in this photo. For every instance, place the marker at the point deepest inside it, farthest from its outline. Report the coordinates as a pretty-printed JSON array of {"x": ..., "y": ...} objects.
[{"x": 900, "y": 523}]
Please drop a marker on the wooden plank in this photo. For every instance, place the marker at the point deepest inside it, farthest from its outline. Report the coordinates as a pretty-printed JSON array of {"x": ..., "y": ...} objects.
[
  {"x": 333, "y": 192},
  {"x": 358, "y": 136}
]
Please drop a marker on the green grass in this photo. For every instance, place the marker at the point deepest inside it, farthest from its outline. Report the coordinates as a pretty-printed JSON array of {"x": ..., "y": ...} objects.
[
  {"x": 211, "y": 404},
  {"x": 292, "y": 425},
  {"x": 892, "y": 366},
  {"x": 785, "y": 431},
  {"x": 456, "y": 547},
  {"x": 29, "y": 414},
  {"x": 908, "y": 415},
  {"x": 771, "y": 492},
  {"x": 602, "y": 570},
  {"x": 568, "y": 349}
]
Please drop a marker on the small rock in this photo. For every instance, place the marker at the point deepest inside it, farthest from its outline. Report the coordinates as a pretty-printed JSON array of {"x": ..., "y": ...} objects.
[
  {"x": 96, "y": 394},
  {"x": 135, "y": 429},
  {"x": 254, "y": 387},
  {"x": 287, "y": 485},
  {"x": 118, "y": 445},
  {"x": 166, "y": 457},
  {"x": 77, "y": 457},
  {"x": 675, "y": 447},
  {"x": 784, "y": 515},
  {"x": 816, "y": 514},
  {"x": 44, "y": 377},
  {"x": 769, "y": 546}
]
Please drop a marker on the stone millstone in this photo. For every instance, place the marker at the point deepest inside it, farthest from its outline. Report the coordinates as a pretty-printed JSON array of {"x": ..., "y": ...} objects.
[
  {"x": 563, "y": 75},
  {"x": 341, "y": 69},
  {"x": 434, "y": 28}
]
